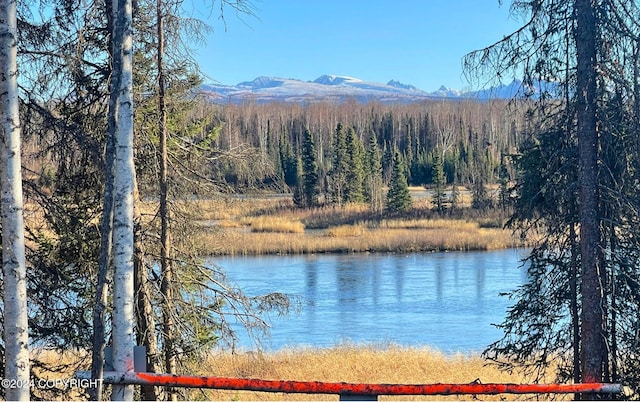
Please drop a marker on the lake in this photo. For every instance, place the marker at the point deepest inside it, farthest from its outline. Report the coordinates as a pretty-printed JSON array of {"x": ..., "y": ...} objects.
[{"x": 447, "y": 301}]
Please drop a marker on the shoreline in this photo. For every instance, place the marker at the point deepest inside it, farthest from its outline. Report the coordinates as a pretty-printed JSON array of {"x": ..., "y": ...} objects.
[
  {"x": 276, "y": 227},
  {"x": 244, "y": 241}
]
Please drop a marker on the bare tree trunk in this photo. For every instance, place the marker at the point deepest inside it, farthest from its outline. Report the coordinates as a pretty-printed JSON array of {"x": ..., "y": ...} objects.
[
  {"x": 592, "y": 313},
  {"x": 102, "y": 285},
  {"x": 165, "y": 235},
  {"x": 123, "y": 315},
  {"x": 146, "y": 333},
  {"x": 16, "y": 333},
  {"x": 575, "y": 317},
  {"x": 106, "y": 230}
]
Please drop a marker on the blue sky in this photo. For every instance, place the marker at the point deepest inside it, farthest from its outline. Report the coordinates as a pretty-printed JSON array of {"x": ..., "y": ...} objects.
[{"x": 419, "y": 42}]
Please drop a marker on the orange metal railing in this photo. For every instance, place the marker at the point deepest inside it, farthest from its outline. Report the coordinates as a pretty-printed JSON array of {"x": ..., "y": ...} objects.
[{"x": 343, "y": 388}]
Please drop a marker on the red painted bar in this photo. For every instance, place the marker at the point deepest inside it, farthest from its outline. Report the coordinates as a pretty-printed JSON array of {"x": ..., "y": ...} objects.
[{"x": 316, "y": 387}]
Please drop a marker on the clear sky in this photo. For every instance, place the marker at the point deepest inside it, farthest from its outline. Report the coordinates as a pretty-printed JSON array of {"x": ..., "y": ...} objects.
[{"x": 418, "y": 42}]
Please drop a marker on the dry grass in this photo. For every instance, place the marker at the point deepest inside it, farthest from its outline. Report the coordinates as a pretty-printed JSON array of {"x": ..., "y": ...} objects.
[
  {"x": 274, "y": 224},
  {"x": 55, "y": 370},
  {"x": 232, "y": 207},
  {"x": 357, "y": 238},
  {"x": 389, "y": 364},
  {"x": 438, "y": 223},
  {"x": 346, "y": 231}
]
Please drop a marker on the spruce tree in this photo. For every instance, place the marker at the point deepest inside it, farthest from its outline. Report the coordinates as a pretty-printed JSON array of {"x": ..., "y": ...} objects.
[
  {"x": 298, "y": 190},
  {"x": 309, "y": 170},
  {"x": 503, "y": 181},
  {"x": 288, "y": 162},
  {"x": 339, "y": 168},
  {"x": 577, "y": 182},
  {"x": 387, "y": 161},
  {"x": 354, "y": 189},
  {"x": 373, "y": 188},
  {"x": 398, "y": 196}
]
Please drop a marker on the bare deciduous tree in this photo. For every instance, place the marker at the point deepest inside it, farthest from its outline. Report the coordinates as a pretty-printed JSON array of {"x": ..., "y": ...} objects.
[{"x": 16, "y": 335}]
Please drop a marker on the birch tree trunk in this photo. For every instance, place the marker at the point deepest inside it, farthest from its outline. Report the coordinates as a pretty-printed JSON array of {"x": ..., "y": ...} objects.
[
  {"x": 123, "y": 225},
  {"x": 16, "y": 335}
]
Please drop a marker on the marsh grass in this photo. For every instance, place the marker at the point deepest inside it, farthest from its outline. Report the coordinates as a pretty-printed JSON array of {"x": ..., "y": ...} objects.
[
  {"x": 357, "y": 239},
  {"x": 346, "y": 231},
  {"x": 274, "y": 224},
  {"x": 352, "y": 229},
  {"x": 350, "y": 363}
]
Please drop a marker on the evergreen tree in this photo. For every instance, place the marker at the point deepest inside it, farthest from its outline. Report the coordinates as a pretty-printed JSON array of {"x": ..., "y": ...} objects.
[
  {"x": 398, "y": 196},
  {"x": 354, "y": 189},
  {"x": 309, "y": 170},
  {"x": 410, "y": 154},
  {"x": 575, "y": 180},
  {"x": 288, "y": 162},
  {"x": 374, "y": 184},
  {"x": 439, "y": 197},
  {"x": 387, "y": 162},
  {"x": 298, "y": 189},
  {"x": 480, "y": 198},
  {"x": 503, "y": 181},
  {"x": 340, "y": 166}
]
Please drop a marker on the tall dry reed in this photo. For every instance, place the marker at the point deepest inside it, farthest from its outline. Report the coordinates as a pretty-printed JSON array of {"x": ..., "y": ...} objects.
[{"x": 356, "y": 364}]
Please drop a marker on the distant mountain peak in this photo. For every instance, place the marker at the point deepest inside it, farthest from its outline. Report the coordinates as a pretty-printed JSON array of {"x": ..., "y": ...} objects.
[
  {"x": 335, "y": 80},
  {"x": 398, "y": 84},
  {"x": 262, "y": 82}
]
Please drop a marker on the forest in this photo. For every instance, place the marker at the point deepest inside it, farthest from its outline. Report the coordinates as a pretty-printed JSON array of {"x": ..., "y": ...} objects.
[
  {"x": 472, "y": 142},
  {"x": 107, "y": 144}
]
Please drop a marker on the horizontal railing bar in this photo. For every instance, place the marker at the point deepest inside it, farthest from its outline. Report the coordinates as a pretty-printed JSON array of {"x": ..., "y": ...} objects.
[{"x": 343, "y": 388}]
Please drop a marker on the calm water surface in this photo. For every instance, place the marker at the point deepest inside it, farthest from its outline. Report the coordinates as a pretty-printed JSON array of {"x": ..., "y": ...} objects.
[{"x": 443, "y": 300}]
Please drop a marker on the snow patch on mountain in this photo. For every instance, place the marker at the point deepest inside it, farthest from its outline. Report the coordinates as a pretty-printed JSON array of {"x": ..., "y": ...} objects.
[
  {"x": 335, "y": 80},
  {"x": 447, "y": 92},
  {"x": 262, "y": 82},
  {"x": 398, "y": 84}
]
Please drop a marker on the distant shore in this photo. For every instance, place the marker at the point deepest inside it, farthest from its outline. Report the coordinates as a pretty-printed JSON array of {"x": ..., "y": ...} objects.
[{"x": 253, "y": 226}]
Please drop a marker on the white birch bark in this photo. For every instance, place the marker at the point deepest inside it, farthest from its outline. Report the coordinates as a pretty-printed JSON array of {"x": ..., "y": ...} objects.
[
  {"x": 16, "y": 335},
  {"x": 123, "y": 251}
]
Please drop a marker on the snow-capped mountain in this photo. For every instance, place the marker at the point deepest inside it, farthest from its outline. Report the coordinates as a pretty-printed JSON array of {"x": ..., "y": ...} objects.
[
  {"x": 398, "y": 84},
  {"x": 340, "y": 88},
  {"x": 336, "y": 80}
]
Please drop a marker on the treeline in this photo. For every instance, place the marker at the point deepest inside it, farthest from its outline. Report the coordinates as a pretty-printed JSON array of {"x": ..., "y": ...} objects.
[
  {"x": 91, "y": 109},
  {"x": 472, "y": 140}
]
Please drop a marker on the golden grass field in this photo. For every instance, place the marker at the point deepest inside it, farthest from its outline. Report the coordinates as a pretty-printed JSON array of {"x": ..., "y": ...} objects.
[
  {"x": 348, "y": 363},
  {"x": 354, "y": 239},
  {"x": 274, "y": 226}
]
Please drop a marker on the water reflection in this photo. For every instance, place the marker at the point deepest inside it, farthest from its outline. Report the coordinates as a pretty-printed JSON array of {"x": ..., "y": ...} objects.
[{"x": 445, "y": 300}]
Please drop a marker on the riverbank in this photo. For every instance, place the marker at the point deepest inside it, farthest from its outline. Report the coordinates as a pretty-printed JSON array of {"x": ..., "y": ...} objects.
[
  {"x": 349, "y": 363},
  {"x": 251, "y": 226}
]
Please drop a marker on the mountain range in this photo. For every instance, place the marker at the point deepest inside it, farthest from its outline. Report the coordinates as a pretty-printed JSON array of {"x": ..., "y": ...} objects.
[{"x": 340, "y": 88}]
